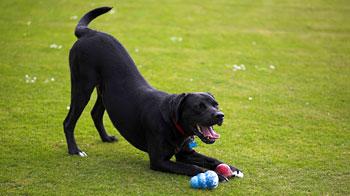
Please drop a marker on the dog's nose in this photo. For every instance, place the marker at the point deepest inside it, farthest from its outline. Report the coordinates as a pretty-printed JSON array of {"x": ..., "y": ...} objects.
[{"x": 219, "y": 116}]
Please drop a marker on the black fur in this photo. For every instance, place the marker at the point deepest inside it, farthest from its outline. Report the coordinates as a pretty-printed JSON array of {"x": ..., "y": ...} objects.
[{"x": 144, "y": 116}]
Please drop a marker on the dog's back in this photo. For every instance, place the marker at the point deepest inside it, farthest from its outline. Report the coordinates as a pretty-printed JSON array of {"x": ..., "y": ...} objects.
[
  {"x": 99, "y": 50},
  {"x": 99, "y": 60}
]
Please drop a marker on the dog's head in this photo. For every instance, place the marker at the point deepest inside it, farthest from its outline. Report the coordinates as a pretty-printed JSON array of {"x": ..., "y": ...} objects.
[{"x": 197, "y": 113}]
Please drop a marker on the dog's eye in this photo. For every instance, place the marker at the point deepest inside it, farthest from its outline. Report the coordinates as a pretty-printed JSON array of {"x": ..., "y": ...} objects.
[{"x": 202, "y": 106}]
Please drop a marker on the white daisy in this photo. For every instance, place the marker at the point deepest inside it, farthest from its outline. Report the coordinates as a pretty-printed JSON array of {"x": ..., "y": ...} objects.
[{"x": 53, "y": 46}]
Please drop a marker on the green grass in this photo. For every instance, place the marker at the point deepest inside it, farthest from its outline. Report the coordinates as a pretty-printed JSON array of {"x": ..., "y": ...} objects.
[{"x": 293, "y": 137}]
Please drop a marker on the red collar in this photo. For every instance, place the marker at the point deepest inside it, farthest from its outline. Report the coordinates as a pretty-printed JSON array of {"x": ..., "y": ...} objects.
[{"x": 179, "y": 128}]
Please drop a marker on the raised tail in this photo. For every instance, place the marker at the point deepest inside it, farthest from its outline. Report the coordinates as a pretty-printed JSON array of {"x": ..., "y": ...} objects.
[{"x": 81, "y": 28}]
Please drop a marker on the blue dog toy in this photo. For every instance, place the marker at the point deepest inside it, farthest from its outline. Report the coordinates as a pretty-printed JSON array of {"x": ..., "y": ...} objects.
[
  {"x": 207, "y": 180},
  {"x": 192, "y": 144}
]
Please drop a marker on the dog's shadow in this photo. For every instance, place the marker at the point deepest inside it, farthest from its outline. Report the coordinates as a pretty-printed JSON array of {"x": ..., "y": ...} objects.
[{"x": 118, "y": 160}]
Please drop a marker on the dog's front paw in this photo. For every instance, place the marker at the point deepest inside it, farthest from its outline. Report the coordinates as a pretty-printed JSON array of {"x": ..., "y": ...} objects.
[
  {"x": 236, "y": 172},
  {"x": 109, "y": 139}
]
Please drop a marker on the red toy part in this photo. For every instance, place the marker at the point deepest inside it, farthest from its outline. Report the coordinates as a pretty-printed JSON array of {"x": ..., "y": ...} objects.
[{"x": 224, "y": 170}]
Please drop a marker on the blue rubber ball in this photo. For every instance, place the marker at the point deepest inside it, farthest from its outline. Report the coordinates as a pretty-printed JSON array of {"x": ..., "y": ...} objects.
[
  {"x": 202, "y": 181},
  {"x": 207, "y": 180},
  {"x": 212, "y": 179}
]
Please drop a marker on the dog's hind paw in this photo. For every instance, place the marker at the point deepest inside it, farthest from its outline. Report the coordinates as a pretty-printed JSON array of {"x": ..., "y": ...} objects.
[
  {"x": 109, "y": 139},
  {"x": 79, "y": 153},
  {"x": 82, "y": 154}
]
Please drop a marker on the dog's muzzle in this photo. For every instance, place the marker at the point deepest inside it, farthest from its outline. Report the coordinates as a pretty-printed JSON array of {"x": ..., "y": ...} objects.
[
  {"x": 207, "y": 133},
  {"x": 219, "y": 116}
]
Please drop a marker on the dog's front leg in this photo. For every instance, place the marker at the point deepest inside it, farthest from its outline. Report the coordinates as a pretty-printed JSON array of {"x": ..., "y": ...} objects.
[
  {"x": 194, "y": 158},
  {"x": 160, "y": 161},
  {"x": 176, "y": 167}
]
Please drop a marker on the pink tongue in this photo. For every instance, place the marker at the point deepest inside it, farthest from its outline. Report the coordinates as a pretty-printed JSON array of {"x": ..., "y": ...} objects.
[
  {"x": 214, "y": 134},
  {"x": 209, "y": 132}
]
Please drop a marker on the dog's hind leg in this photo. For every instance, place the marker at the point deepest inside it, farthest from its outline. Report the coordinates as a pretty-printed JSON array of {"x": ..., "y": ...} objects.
[
  {"x": 97, "y": 116},
  {"x": 80, "y": 96}
]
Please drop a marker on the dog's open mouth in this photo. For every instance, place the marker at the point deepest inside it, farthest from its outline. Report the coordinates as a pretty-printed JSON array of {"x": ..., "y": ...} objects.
[{"x": 206, "y": 134}]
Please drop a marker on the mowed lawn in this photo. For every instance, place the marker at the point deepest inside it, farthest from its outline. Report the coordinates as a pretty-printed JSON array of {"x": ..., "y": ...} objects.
[{"x": 279, "y": 69}]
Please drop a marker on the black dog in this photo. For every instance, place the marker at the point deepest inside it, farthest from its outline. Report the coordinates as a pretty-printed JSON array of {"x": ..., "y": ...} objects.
[{"x": 153, "y": 121}]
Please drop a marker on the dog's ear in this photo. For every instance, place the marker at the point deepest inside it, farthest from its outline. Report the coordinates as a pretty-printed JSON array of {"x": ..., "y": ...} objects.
[
  {"x": 210, "y": 95},
  {"x": 176, "y": 105},
  {"x": 171, "y": 107}
]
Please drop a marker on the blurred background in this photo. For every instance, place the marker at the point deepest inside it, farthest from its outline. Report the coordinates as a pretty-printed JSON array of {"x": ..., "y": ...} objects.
[{"x": 279, "y": 69}]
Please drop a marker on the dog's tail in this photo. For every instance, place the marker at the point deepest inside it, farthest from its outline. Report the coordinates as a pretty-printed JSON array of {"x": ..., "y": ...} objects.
[{"x": 82, "y": 28}]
